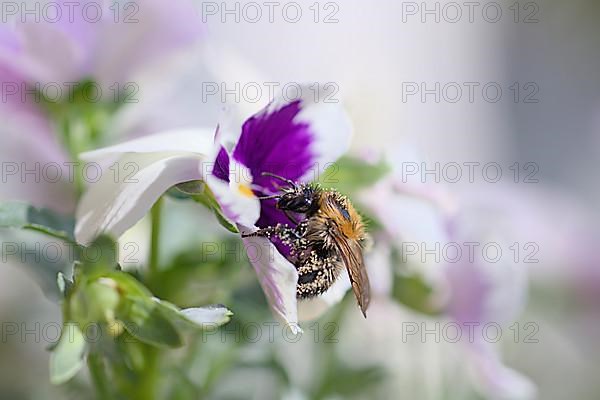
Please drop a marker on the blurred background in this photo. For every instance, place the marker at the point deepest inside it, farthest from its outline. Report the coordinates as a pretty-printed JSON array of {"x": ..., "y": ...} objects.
[{"x": 478, "y": 89}]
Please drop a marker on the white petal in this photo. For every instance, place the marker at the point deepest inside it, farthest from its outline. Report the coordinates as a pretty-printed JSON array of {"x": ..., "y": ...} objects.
[
  {"x": 185, "y": 140},
  {"x": 115, "y": 205},
  {"x": 494, "y": 379},
  {"x": 236, "y": 198},
  {"x": 277, "y": 276},
  {"x": 236, "y": 206},
  {"x": 409, "y": 220},
  {"x": 161, "y": 29},
  {"x": 406, "y": 216},
  {"x": 229, "y": 67},
  {"x": 175, "y": 97},
  {"x": 230, "y": 127},
  {"x": 329, "y": 123},
  {"x": 210, "y": 316}
]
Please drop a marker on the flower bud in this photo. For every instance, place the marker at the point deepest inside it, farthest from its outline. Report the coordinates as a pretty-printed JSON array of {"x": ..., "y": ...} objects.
[{"x": 95, "y": 302}]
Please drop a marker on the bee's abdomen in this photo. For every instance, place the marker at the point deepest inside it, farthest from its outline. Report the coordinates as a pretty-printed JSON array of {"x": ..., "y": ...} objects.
[{"x": 317, "y": 270}]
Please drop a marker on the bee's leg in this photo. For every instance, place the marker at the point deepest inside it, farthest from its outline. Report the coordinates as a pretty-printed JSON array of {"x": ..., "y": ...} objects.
[
  {"x": 263, "y": 232},
  {"x": 316, "y": 274},
  {"x": 280, "y": 230}
]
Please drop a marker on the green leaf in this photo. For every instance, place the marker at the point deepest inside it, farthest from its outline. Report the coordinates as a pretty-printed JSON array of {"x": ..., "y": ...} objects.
[
  {"x": 350, "y": 382},
  {"x": 208, "y": 317},
  {"x": 413, "y": 292},
  {"x": 24, "y": 216},
  {"x": 145, "y": 321},
  {"x": 19, "y": 220},
  {"x": 67, "y": 358},
  {"x": 350, "y": 174},
  {"x": 143, "y": 317},
  {"x": 202, "y": 194}
]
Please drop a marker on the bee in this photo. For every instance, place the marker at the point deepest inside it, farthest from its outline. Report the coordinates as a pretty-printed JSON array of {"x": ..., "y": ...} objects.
[{"x": 326, "y": 241}]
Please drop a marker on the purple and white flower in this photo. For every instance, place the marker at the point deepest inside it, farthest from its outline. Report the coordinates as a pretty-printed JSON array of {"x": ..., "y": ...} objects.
[
  {"x": 482, "y": 294},
  {"x": 471, "y": 292},
  {"x": 295, "y": 139}
]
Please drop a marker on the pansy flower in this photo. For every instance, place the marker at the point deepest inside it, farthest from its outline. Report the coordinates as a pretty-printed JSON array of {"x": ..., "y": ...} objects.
[
  {"x": 469, "y": 291},
  {"x": 295, "y": 139}
]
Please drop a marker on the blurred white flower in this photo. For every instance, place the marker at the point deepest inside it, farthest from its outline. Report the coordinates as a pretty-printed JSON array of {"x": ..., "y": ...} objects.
[
  {"x": 110, "y": 50},
  {"x": 470, "y": 290},
  {"x": 54, "y": 58}
]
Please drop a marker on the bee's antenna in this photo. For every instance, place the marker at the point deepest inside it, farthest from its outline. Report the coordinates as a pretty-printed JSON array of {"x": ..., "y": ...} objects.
[
  {"x": 266, "y": 194},
  {"x": 288, "y": 181},
  {"x": 275, "y": 196}
]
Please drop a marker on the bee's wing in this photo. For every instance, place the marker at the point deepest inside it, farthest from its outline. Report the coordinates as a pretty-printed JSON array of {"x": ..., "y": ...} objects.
[{"x": 352, "y": 257}]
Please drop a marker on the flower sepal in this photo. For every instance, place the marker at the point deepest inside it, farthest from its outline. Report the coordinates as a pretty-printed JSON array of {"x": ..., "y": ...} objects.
[
  {"x": 195, "y": 318},
  {"x": 199, "y": 192},
  {"x": 68, "y": 356}
]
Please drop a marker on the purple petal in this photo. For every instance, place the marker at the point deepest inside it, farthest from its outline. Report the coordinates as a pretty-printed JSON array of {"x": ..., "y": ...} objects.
[
  {"x": 8, "y": 40},
  {"x": 293, "y": 139},
  {"x": 221, "y": 167},
  {"x": 469, "y": 292},
  {"x": 260, "y": 148},
  {"x": 274, "y": 142}
]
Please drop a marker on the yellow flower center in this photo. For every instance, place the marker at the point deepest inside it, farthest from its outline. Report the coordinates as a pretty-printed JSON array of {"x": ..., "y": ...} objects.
[{"x": 245, "y": 190}]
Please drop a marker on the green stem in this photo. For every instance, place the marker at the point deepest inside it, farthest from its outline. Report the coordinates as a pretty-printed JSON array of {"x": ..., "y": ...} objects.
[
  {"x": 149, "y": 383},
  {"x": 153, "y": 261},
  {"x": 150, "y": 375},
  {"x": 98, "y": 375},
  {"x": 68, "y": 127}
]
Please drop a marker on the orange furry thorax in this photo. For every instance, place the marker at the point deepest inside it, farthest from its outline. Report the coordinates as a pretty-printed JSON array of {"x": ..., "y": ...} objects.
[{"x": 337, "y": 208}]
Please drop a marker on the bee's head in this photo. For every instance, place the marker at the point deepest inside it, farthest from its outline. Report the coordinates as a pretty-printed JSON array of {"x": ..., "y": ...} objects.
[{"x": 299, "y": 199}]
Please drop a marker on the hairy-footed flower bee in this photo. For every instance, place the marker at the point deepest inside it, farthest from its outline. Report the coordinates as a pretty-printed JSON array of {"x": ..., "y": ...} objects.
[{"x": 328, "y": 239}]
